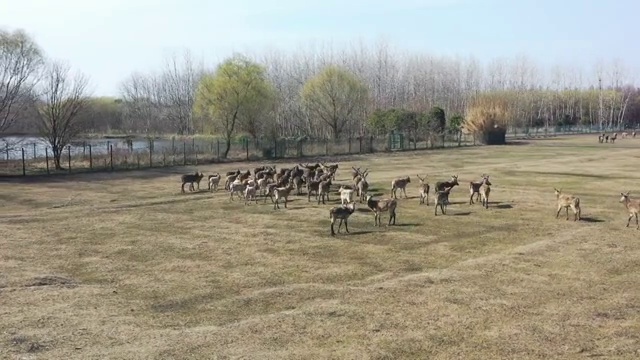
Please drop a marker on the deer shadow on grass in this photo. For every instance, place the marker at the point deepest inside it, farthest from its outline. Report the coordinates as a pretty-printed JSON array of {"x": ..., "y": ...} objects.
[
  {"x": 589, "y": 219},
  {"x": 198, "y": 192},
  {"x": 466, "y": 213},
  {"x": 501, "y": 206},
  {"x": 355, "y": 233}
]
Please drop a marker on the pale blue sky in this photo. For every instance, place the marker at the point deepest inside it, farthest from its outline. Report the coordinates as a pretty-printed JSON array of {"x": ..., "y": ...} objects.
[{"x": 110, "y": 39}]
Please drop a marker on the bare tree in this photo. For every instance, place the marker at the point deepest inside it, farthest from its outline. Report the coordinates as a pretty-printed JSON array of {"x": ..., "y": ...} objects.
[
  {"x": 178, "y": 85},
  {"x": 20, "y": 61},
  {"x": 62, "y": 98},
  {"x": 142, "y": 108}
]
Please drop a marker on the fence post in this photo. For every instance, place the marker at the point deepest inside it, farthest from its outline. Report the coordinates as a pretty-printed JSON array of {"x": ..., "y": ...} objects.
[
  {"x": 90, "y": 159},
  {"x": 46, "y": 158},
  {"x": 150, "y": 155},
  {"x": 184, "y": 153},
  {"x": 196, "y": 156},
  {"x": 24, "y": 169},
  {"x": 111, "y": 156},
  {"x": 138, "y": 158},
  {"x": 164, "y": 158},
  {"x": 84, "y": 149},
  {"x": 349, "y": 144},
  {"x": 34, "y": 150},
  {"x": 69, "y": 153}
]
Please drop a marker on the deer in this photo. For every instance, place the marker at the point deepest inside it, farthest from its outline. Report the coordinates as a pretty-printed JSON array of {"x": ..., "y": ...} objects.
[
  {"x": 566, "y": 201},
  {"x": 633, "y": 206},
  {"x": 214, "y": 181},
  {"x": 424, "y": 190},
  {"x": 441, "y": 185},
  {"x": 399, "y": 183},
  {"x": 342, "y": 213},
  {"x": 191, "y": 178},
  {"x": 442, "y": 200},
  {"x": 484, "y": 192},
  {"x": 380, "y": 206},
  {"x": 362, "y": 185},
  {"x": 281, "y": 193},
  {"x": 346, "y": 195},
  {"x": 475, "y": 187}
]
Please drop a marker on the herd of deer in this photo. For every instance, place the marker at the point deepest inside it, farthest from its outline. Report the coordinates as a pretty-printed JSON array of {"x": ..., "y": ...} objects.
[
  {"x": 566, "y": 201},
  {"x": 317, "y": 179},
  {"x": 604, "y": 138}
]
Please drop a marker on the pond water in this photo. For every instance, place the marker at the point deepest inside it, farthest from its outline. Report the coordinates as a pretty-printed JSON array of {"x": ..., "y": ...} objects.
[{"x": 34, "y": 147}]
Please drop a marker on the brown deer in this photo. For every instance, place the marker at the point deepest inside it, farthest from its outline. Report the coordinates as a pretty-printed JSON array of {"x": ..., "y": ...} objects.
[
  {"x": 566, "y": 201},
  {"x": 633, "y": 206}
]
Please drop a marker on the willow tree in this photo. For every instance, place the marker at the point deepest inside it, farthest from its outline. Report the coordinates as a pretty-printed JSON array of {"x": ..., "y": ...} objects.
[
  {"x": 334, "y": 96},
  {"x": 235, "y": 92},
  {"x": 21, "y": 59}
]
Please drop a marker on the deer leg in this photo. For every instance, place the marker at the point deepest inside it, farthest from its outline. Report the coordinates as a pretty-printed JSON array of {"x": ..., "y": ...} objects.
[
  {"x": 471, "y": 199},
  {"x": 404, "y": 190},
  {"x": 637, "y": 226},
  {"x": 346, "y": 225},
  {"x": 629, "y": 220},
  {"x": 567, "y": 211},
  {"x": 558, "y": 213},
  {"x": 333, "y": 233},
  {"x": 339, "y": 226}
]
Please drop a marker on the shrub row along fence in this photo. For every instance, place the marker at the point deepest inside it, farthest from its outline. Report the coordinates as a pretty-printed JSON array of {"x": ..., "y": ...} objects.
[{"x": 112, "y": 155}]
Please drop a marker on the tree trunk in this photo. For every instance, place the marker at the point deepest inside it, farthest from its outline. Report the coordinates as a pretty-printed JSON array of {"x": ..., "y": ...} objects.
[
  {"x": 57, "y": 154},
  {"x": 336, "y": 133},
  {"x": 227, "y": 147}
]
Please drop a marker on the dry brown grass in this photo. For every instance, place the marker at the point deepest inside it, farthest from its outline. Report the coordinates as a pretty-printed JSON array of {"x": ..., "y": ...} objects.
[{"x": 123, "y": 266}]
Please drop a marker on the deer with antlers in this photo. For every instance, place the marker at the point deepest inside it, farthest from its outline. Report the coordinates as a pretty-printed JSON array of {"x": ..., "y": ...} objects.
[{"x": 423, "y": 187}]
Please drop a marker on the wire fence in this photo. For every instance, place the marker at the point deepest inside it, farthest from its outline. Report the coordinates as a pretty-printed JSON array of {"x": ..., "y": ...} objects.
[{"x": 23, "y": 158}]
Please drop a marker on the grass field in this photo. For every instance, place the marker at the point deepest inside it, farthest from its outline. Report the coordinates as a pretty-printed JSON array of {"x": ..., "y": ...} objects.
[{"x": 124, "y": 266}]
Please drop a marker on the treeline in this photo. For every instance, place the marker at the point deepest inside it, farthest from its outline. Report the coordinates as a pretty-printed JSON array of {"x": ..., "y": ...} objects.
[{"x": 324, "y": 93}]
